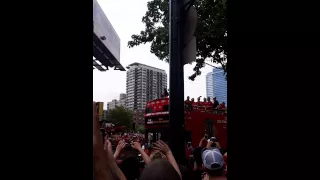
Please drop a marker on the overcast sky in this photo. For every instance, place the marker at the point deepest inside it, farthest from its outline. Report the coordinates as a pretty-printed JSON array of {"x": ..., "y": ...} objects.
[{"x": 125, "y": 17}]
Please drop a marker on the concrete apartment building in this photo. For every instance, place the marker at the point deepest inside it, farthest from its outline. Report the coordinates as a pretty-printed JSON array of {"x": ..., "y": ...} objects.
[
  {"x": 115, "y": 102},
  {"x": 122, "y": 100},
  {"x": 144, "y": 83},
  {"x": 138, "y": 117}
]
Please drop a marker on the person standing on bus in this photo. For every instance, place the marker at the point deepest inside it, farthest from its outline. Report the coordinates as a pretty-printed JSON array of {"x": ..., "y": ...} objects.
[
  {"x": 209, "y": 105},
  {"x": 194, "y": 105},
  {"x": 200, "y": 105},
  {"x": 165, "y": 93},
  {"x": 215, "y": 103},
  {"x": 187, "y": 103},
  {"x": 222, "y": 106},
  {"x": 205, "y": 104}
]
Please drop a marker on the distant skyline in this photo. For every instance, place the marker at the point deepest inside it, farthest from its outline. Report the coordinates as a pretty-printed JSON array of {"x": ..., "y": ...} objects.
[{"x": 108, "y": 85}]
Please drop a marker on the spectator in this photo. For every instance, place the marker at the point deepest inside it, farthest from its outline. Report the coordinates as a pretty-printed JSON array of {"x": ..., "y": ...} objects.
[
  {"x": 157, "y": 155},
  {"x": 222, "y": 106},
  {"x": 121, "y": 145},
  {"x": 213, "y": 162},
  {"x": 160, "y": 169},
  {"x": 197, "y": 164},
  {"x": 189, "y": 149},
  {"x": 104, "y": 165},
  {"x": 145, "y": 157},
  {"x": 164, "y": 148},
  {"x": 215, "y": 103},
  {"x": 130, "y": 167}
]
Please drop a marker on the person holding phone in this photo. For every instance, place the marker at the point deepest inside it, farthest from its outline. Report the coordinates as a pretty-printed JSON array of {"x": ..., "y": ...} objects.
[{"x": 104, "y": 165}]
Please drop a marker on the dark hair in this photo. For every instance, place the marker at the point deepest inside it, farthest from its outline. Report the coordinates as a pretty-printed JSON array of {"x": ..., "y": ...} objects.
[
  {"x": 159, "y": 170},
  {"x": 130, "y": 168},
  {"x": 197, "y": 156},
  {"x": 215, "y": 173}
]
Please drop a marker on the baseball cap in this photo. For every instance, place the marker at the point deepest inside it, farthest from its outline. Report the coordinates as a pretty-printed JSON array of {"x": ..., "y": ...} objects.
[{"x": 212, "y": 159}]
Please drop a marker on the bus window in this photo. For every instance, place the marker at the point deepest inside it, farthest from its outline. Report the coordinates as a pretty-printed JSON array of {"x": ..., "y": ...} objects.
[
  {"x": 165, "y": 108},
  {"x": 148, "y": 110}
]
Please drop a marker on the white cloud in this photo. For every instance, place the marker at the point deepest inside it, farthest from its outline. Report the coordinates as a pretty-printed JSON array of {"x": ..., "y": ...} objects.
[{"x": 125, "y": 16}]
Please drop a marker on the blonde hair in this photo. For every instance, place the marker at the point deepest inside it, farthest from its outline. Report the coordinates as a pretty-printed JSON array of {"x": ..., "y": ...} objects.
[{"x": 157, "y": 155}]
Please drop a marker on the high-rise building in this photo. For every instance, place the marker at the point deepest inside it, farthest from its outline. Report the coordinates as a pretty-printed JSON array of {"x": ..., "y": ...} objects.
[
  {"x": 219, "y": 85},
  {"x": 112, "y": 104},
  {"x": 115, "y": 102},
  {"x": 138, "y": 116},
  {"x": 122, "y": 100},
  {"x": 209, "y": 85},
  {"x": 144, "y": 83}
]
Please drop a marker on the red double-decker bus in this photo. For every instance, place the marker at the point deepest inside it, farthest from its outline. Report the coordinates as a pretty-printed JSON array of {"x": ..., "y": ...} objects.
[{"x": 196, "y": 124}]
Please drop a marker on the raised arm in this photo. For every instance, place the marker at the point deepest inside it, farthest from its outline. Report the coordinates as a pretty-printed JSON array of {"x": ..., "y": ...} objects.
[
  {"x": 119, "y": 149},
  {"x": 104, "y": 165},
  {"x": 164, "y": 148},
  {"x": 144, "y": 155}
]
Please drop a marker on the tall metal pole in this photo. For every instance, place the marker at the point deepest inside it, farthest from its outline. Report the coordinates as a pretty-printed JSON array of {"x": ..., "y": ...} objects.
[{"x": 176, "y": 81}]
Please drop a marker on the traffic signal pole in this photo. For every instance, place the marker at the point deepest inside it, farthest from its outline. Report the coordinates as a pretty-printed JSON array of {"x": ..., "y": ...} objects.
[{"x": 176, "y": 80}]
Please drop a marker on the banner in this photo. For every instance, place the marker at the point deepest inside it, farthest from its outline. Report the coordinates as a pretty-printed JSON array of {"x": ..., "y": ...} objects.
[
  {"x": 158, "y": 120},
  {"x": 99, "y": 108}
]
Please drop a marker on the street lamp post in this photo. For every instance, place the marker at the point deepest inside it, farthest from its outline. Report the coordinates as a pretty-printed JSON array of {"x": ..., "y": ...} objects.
[{"x": 176, "y": 80}]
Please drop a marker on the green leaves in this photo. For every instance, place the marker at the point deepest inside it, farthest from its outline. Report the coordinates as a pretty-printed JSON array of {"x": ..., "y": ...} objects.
[
  {"x": 140, "y": 128},
  {"x": 211, "y": 32},
  {"x": 121, "y": 116}
]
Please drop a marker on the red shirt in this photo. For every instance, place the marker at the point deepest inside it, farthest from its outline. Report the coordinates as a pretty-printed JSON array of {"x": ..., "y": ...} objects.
[
  {"x": 221, "y": 106},
  {"x": 209, "y": 105},
  {"x": 202, "y": 106},
  {"x": 195, "y": 105}
]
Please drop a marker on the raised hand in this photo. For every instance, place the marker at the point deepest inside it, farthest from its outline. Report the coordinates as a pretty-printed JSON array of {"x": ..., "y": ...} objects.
[
  {"x": 120, "y": 146},
  {"x": 107, "y": 144},
  {"x": 136, "y": 145},
  {"x": 209, "y": 144},
  {"x": 161, "y": 146}
]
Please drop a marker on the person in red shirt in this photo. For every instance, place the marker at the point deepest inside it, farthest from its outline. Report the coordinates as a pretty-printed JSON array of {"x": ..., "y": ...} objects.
[
  {"x": 194, "y": 105},
  {"x": 202, "y": 106},
  {"x": 188, "y": 103},
  {"x": 209, "y": 105},
  {"x": 199, "y": 104},
  {"x": 222, "y": 106},
  {"x": 205, "y": 104}
]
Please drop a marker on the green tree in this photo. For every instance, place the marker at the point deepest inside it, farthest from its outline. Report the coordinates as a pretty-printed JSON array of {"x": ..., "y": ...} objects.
[
  {"x": 122, "y": 117},
  {"x": 211, "y": 32},
  {"x": 140, "y": 128}
]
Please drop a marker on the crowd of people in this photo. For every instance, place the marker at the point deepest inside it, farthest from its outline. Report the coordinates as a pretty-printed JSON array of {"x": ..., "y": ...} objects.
[
  {"x": 205, "y": 105},
  {"x": 132, "y": 160}
]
